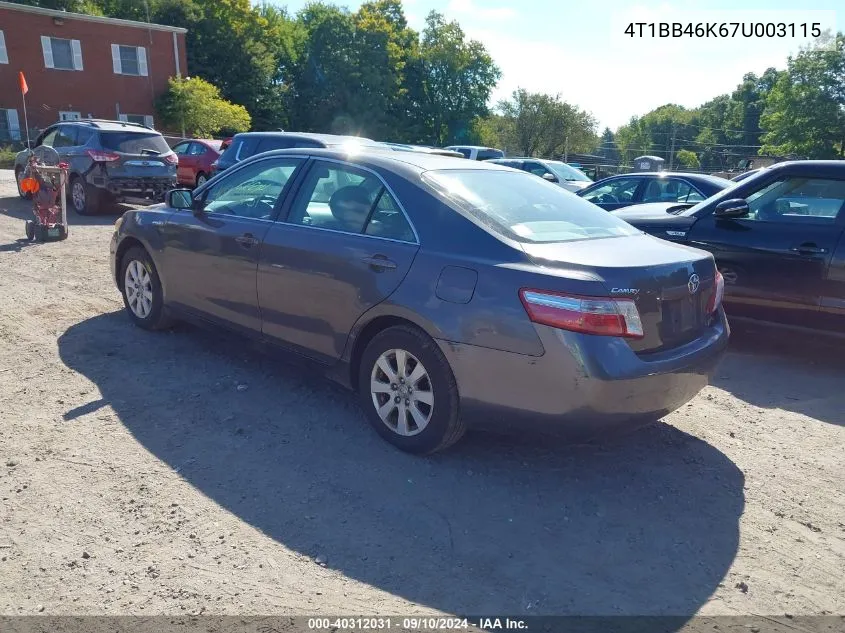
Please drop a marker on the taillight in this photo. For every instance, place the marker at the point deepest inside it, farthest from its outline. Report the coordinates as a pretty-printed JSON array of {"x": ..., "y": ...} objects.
[
  {"x": 718, "y": 294},
  {"x": 172, "y": 158},
  {"x": 591, "y": 315},
  {"x": 102, "y": 157}
]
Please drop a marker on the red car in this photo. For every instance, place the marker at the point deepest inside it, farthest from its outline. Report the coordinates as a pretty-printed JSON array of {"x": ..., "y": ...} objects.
[{"x": 195, "y": 159}]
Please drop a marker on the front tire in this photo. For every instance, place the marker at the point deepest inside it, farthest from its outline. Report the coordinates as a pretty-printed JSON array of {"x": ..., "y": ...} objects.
[
  {"x": 201, "y": 179},
  {"x": 141, "y": 288},
  {"x": 30, "y": 230},
  {"x": 408, "y": 391}
]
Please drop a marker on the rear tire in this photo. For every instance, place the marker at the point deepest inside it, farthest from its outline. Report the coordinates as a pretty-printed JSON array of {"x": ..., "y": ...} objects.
[
  {"x": 84, "y": 198},
  {"x": 30, "y": 230},
  {"x": 141, "y": 289},
  {"x": 404, "y": 373},
  {"x": 201, "y": 179}
]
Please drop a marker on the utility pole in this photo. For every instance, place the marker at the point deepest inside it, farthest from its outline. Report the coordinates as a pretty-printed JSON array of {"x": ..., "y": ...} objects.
[{"x": 672, "y": 151}]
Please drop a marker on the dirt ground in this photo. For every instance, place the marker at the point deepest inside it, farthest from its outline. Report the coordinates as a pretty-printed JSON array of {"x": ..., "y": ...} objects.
[{"x": 145, "y": 473}]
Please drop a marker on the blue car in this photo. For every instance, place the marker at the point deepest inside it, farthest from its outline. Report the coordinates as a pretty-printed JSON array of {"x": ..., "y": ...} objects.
[{"x": 626, "y": 190}]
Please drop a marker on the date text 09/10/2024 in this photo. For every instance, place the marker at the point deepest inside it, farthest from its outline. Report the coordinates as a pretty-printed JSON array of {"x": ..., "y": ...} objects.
[
  {"x": 724, "y": 29},
  {"x": 339, "y": 625}
]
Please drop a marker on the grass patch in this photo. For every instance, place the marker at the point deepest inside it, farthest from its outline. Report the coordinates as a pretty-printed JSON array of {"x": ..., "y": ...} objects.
[{"x": 7, "y": 157}]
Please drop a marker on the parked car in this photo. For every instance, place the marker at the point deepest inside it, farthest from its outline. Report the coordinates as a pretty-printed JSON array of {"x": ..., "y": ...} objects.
[
  {"x": 110, "y": 161},
  {"x": 474, "y": 152},
  {"x": 442, "y": 295},
  {"x": 249, "y": 144},
  {"x": 195, "y": 159},
  {"x": 777, "y": 238},
  {"x": 625, "y": 190},
  {"x": 745, "y": 174},
  {"x": 554, "y": 171}
]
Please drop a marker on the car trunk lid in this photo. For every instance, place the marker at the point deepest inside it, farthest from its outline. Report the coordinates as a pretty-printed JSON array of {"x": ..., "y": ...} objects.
[{"x": 670, "y": 284}]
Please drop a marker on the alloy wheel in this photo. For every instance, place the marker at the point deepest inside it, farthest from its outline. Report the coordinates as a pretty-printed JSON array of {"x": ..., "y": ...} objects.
[
  {"x": 78, "y": 195},
  {"x": 138, "y": 286},
  {"x": 402, "y": 392},
  {"x": 201, "y": 180}
]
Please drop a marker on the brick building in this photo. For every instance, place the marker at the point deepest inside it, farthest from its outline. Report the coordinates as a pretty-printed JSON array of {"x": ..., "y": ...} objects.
[{"x": 80, "y": 66}]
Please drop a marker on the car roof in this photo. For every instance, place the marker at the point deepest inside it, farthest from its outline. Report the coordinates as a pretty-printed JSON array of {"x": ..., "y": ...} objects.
[
  {"x": 669, "y": 174},
  {"x": 472, "y": 147},
  {"x": 407, "y": 163},
  {"x": 328, "y": 139},
  {"x": 108, "y": 126}
]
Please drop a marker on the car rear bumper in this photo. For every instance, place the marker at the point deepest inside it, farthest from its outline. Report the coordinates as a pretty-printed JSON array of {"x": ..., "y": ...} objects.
[
  {"x": 582, "y": 385},
  {"x": 140, "y": 189}
]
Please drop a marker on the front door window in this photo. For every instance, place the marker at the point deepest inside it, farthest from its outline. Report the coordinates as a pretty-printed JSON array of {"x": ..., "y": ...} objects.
[{"x": 251, "y": 192}]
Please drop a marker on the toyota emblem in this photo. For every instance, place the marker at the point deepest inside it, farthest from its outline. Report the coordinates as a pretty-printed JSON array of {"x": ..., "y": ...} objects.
[{"x": 693, "y": 284}]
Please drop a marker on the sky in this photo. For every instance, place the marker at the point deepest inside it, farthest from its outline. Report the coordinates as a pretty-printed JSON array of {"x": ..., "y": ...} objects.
[{"x": 578, "y": 50}]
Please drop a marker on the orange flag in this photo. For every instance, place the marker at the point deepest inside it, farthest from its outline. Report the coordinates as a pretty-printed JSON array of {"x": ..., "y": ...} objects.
[{"x": 22, "y": 81}]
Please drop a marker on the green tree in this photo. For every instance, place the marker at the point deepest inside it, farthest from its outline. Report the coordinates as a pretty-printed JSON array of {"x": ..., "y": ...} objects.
[
  {"x": 608, "y": 148},
  {"x": 805, "y": 110},
  {"x": 543, "y": 125},
  {"x": 452, "y": 79},
  {"x": 326, "y": 73},
  {"x": 687, "y": 159},
  {"x": 195, "y": 106}
]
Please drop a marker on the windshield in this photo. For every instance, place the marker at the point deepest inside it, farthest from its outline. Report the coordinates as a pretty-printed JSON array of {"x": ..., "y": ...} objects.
[
  {"x": 525, "y": 208},
  {"x": 134, "y": 142},
  {"x": 724, "y": 194},
  {"x": 566, "y": 172}
]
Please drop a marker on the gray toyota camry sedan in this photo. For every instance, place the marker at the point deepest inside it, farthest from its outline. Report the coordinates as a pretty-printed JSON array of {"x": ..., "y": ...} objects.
[{"x": 447, "y": 293}]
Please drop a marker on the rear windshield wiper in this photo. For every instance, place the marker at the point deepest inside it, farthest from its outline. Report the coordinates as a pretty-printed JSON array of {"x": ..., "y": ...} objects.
[{"x": 150, "y": 151}]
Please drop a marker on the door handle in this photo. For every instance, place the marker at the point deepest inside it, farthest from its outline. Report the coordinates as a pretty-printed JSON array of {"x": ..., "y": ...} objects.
[
  {"x": 246, "y": 240},
  {"x": 809, "y": 249},
  {"x": 379, "y": 261}
]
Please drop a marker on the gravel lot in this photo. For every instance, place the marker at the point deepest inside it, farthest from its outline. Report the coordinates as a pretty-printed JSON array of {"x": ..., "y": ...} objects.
[{"x": 176, "y": 472}]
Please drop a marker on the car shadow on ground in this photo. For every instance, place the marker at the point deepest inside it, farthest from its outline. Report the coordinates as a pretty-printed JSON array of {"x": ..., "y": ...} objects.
[
  {"x": 645, "y": 524},
  {"x": 803, "y": 373},
  {"x": 18, "y": 208}
]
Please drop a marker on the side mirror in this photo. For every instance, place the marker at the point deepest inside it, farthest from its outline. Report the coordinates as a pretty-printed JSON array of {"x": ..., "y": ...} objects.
[
  {"x": 180, "y": 199},
  {"x": 734, "y": 208},
  {"x": 549, "y": 177}
]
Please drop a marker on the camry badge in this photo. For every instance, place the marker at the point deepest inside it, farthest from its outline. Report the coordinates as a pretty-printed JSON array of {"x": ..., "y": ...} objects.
[{"x": 694, "y": 283}]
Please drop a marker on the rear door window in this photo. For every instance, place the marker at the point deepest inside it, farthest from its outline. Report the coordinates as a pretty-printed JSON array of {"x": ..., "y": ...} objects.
[
  {"x": 268, "y": 144},
  {"x": 134, "y": 143},
  {"x": 65, "y": 136},
  {"x": 83, "y": 135},
  {"x": 242, "y": 148}
]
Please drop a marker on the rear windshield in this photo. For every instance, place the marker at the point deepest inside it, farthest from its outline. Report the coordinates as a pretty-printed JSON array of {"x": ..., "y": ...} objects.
[
  {"x": 134, "y": 142},
  {"x": 485, "y": 154},
  {"x": 525, "y": 208},
  {"x": 567, "y": 172}
]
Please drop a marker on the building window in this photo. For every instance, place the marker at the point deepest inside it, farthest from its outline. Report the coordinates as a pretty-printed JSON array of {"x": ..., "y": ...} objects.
[
  {"x": 61, "y": 54},
  {"x": 4, "y": 56},
  {"x": 69, "y": 116},
  {"x": 142, "y": 119},
  {"x": 129, "y": 60},
  {"x": 10, "y": 128}
]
